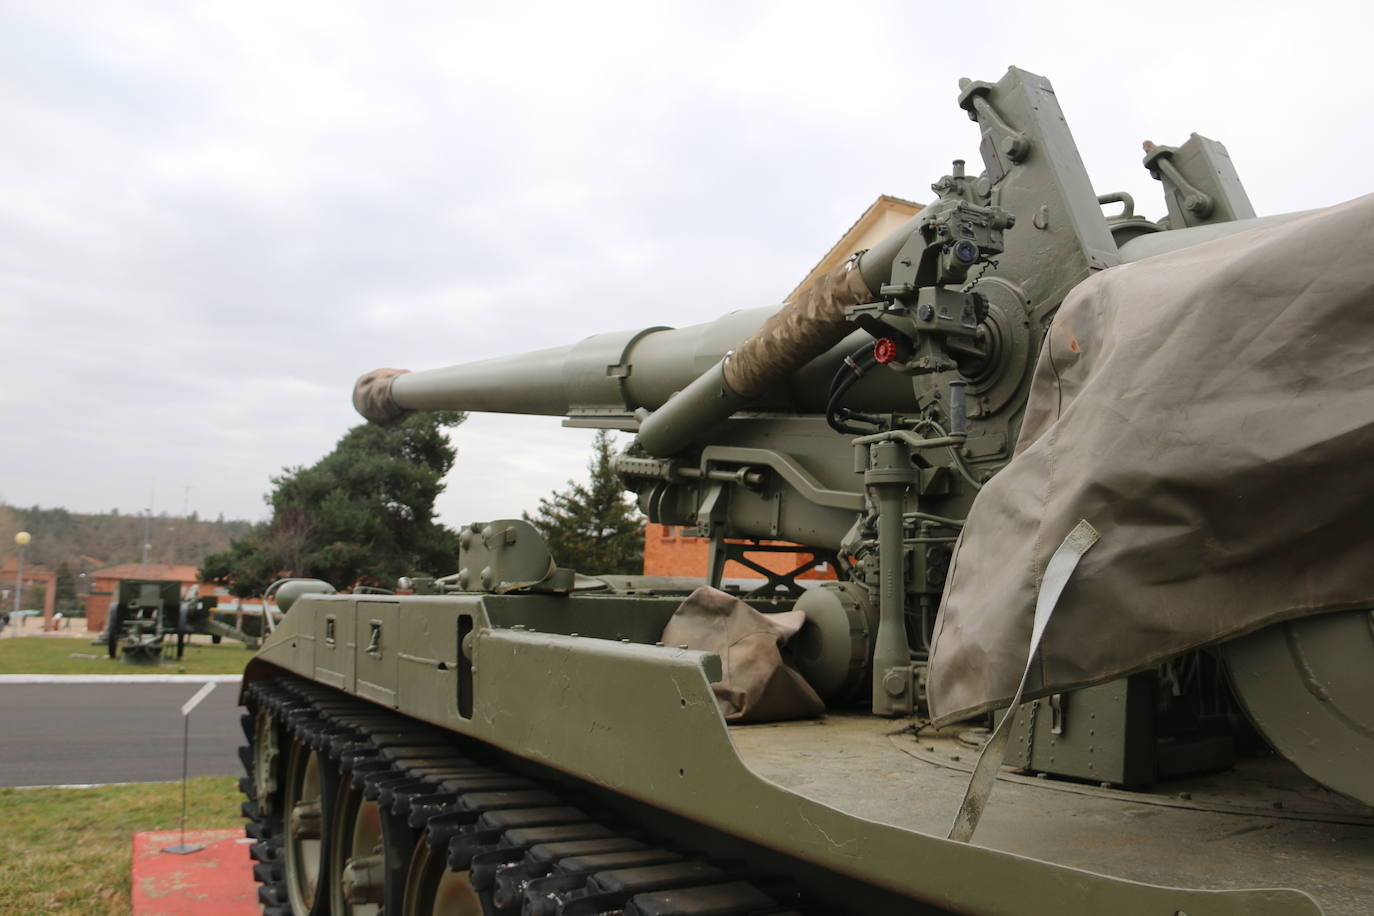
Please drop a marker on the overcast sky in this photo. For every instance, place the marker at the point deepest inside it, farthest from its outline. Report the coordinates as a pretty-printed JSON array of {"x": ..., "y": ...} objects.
[{"x": 214, "y": 216}]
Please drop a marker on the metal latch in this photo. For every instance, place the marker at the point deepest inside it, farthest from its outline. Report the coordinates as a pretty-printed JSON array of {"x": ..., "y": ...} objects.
[
  {"x": 374, "y": 642},
  {"x": 1056, "y": 713}
]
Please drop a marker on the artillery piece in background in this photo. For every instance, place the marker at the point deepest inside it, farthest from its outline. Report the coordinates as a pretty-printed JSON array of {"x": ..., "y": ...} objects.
[
  {"x": 145, "y": 612},
  {"x": 523, "y": 738}
]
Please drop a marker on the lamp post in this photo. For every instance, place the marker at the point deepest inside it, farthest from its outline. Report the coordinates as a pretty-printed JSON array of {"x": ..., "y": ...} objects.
[{"x": 21, "y": 540}]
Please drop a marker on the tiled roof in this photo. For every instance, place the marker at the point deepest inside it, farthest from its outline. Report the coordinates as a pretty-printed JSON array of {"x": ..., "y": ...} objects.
[
  {"x": 883, "y": 201},
  {"x": 167, "y": 571},
  {"x": 844, "y": 246},
  {"x": 11, "y": 566}
]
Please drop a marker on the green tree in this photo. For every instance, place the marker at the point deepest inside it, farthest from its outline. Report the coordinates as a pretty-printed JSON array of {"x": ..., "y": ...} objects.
[
  {"x": 361, "y": 515},
  {"x": 34, "y": 597},
  {"x": 594, "y": 528},
  {"x": 65, "y": 585}
]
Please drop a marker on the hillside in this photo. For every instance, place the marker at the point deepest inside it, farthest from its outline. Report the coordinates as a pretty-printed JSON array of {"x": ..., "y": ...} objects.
[{"x": 90, "y": 542}]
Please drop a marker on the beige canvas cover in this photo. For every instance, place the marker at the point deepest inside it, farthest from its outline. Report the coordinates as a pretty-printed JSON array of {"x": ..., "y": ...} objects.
[
  {"x": 1211, "y": 412},
  {"x": 755, "y": 685}
]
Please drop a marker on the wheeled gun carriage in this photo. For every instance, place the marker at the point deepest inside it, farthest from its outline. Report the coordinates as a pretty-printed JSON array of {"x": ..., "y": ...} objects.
[
  {"x": 144, "y": 613},
  {"x": 1104, "y": 471}
]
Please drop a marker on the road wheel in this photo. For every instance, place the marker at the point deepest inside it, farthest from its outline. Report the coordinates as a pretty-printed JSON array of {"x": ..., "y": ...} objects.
[
  {"x": 266, "y": 762},
  {"x": 304, "y": 813},
  {"x": 112, "y": 632},
  {"x": 432, "y": 889},
  {"x": 356, "y": 862}
]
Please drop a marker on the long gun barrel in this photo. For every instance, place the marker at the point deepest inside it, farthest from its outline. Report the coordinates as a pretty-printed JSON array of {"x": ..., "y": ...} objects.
[
  {"x": 617, "y": 373},
  {"x": 765, "y": 357}
]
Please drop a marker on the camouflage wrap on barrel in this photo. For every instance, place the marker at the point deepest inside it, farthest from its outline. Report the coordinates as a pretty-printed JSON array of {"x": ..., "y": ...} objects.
[
  {"x": 799, "y": 332},
  {"x": 372, "y": 396}
]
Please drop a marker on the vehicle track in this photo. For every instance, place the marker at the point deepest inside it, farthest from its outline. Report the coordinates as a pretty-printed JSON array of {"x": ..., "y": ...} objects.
[{"x": 355, "y": 809}]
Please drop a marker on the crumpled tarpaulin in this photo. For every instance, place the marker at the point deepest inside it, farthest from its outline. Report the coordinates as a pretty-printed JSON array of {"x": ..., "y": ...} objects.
[
  {"x": 756, "y": 685},
  {"x": 1211, "y": 412}
]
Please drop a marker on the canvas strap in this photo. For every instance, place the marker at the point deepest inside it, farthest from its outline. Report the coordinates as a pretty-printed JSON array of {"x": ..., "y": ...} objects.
[{"x": 1057, "y": 573}]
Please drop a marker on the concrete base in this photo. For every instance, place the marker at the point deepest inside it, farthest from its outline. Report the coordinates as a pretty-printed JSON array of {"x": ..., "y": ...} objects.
[{"x": 214, "y": 881}]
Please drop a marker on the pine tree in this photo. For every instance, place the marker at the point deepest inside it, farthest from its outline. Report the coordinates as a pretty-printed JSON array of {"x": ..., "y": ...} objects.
[
  {"x": 361, "y": 515},
  {"x": 594, "y": 528},
  {"x": 65, "y": 586}
]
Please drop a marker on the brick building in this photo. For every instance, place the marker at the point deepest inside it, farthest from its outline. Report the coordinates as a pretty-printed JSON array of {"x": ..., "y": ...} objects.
[
  {"x": 883, "y": 217},
  {"x": 670, "y": 551},
  {"x": 34, "y": 574}
]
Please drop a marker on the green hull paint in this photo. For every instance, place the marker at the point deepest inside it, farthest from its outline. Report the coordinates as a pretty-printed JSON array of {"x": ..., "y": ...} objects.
[{"x": 641, "y": 720}]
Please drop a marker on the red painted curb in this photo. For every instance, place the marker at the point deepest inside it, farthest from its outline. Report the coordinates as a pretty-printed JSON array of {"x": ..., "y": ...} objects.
[{"x": 214, "y": 881}]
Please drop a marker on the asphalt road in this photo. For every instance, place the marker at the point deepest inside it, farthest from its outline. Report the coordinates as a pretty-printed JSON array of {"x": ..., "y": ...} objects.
[{"x": 83, "y": 733}]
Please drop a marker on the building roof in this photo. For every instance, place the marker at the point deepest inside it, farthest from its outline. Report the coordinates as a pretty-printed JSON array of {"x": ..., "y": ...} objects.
[
  {"x": 164, "y": 571},
  {"x": 11, "y": 566},
  {"x": 851, "y": 240}
]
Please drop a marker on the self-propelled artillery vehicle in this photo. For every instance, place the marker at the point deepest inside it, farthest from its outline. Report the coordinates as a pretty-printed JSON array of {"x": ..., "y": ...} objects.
[{"x": 1107, "y": 472}]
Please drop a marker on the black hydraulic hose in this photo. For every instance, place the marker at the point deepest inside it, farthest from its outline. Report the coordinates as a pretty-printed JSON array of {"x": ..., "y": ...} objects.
[
  {"x": 838, "y": 417},
  {"x": 855, "y": 367},
  {"x": 860, "y": 370},
  {"x": 835, "y": 416},
  {"x": 850, "y": 367}
]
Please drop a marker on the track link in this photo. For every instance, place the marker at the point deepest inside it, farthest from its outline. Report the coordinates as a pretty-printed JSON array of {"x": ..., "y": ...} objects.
[{"x": 454, "y": 817}]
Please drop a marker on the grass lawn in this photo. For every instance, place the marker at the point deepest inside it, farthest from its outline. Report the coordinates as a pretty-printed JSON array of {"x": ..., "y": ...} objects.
[
  {"x": 70, "y": 850},
  {"x": 53, "y": 655}
]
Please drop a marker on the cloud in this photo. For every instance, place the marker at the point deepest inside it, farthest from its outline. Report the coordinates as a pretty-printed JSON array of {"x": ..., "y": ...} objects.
[{"x": 217, "y": 216}]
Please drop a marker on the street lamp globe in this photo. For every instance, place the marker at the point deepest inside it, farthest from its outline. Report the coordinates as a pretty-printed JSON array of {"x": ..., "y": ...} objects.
[{"x": 23, "y": 538}]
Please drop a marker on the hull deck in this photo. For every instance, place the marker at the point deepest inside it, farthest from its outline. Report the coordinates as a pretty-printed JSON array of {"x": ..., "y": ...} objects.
[{"x": 1260, "y": 825}]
